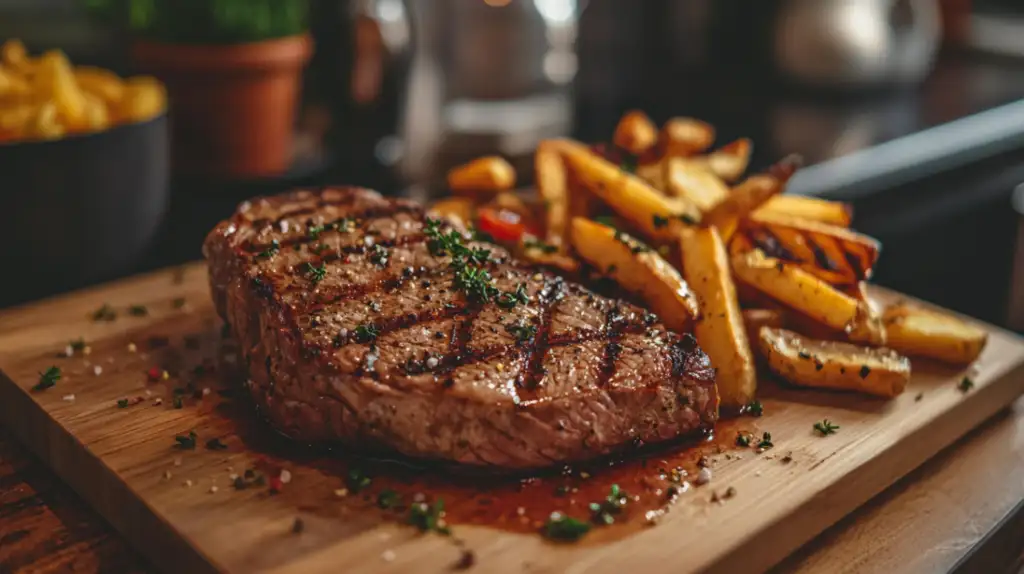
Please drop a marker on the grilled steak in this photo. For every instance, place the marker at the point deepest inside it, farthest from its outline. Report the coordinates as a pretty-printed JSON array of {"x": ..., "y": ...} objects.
[{"x": 356, "y": 329}]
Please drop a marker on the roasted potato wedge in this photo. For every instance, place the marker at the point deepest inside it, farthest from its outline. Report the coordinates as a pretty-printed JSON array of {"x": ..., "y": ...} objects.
[
  {"x": 749, "y": 195},
  {"x": 925, "y": 333},
  {"x": 834, "y": 365},
  {"x": 547, "y": 255},
  {"x": 657, "y": 216},
  {"x": 720, "y": 330},
  {"x": 485, "y": 175},
  {"x": 812, "y": 208},
  {"x": 730, "y": 161},
  {"x": 797, "y": 289},
  {"x": 638, "y": 269},
  {"x": 653, "y": 173},
  {"x": 553, "y": 187},
  {"x": 686, "y": 136},
  {"x": 699, "y": 185},
  {"x": 754, "y": 319},
  {"x": 459, "y": 208},
  {"x": 835, "y": 254},
  {"x": 635, "y": 133}
]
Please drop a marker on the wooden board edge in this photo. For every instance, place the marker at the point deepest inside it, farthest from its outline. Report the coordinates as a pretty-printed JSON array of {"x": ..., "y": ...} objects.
[
  {"x": 778, "y": 539},
  {"x": 72, "y": 461}
]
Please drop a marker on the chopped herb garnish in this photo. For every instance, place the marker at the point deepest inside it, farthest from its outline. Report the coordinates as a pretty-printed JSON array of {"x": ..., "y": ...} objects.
[
  {"x": 766, "y": 441},
  {"x": 604, "y": 512},
  {"x": 271, "y": 249},
  {"x": 965, "y": 384},
  {"x": 688, "y": 219},
  {"x": 522, "y": 333},
  {"x": 316, "y": 274},
  {"x": 379, "y": 255},
  {"x": 564, "y": 528},
  {"x": 345, "y": 225},
  {"x": 470, "y": 276},
  {"x": 606, "y": 220},
  {"x": 634, "y": 245},
  {"x": 533, "y": 243},
  {"x": 186, "y": 442},
  {"x": 178, "y": 302},
  {"x": 366, "y": 333},
  {"x": 429, "y": 517},
  {"x": 628, "y": 164},
  {"x": 104, "y": 313},
  {"x": 215, "y": 444},
  {"x": 122, "y": 403},
  {"x": 742, "y": 439},
  {"x": 319, "y": 248},
  {"x": 388, "y": 499},
  {"x": 78, "y": 344},
  {"x": 825, "y": 427},
  {"x": 864, "y": 371},
  {"x": 754, "y": 408},
  {"x": 357, "y": 480},
  {"x": 138, "y": 311},
  {"x": 660, "y": 221},
  {"x": 47, "y": 379},
  {"x": 314, "y": 231},
  {"x": 509, "y": 300},
  {"x": 477, "y": 283}
]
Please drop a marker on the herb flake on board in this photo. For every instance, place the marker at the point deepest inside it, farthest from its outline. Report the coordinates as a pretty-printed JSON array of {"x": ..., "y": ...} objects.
[
  {"x": 47, "y": 379},
  {"x": 186, "y": 442},
  {"x": 564, "y": 528},
  {"x": 826, "y": 427}
]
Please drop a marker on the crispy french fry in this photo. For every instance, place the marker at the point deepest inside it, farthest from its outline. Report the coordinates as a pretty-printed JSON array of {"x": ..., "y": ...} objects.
[
  {"x": 635, "y": 133},
  {"x": 45, "y": 124},
  {"x": 485, "y": 175},
  {"x": 925, "y": 333},
  {"x": 554, "y": 188},
  {"x": 657, "y": 216},
  {"x": 691, "y": 181},
  {"x": 101, "y": 83},
  {"x": 143, "y": 100},
  {"x": 834, "y": 365},
  {"x": 836, "y": 254},
  {"x": 653, "y": 173},
  {"x": 749, "y": 195},
  {"x": 797, "y": 289},
  {"x": 812, "y": 208},
  {"x": 731, "y": 160},
  {"x": 545, "y": 256},
  {"x": 15, "y": 57},
  {"x": 459, "y": 208},
  {"x": 14, "y": 121},
  {"x": 720, "y": 330},
  {"x": 639, "y": 269},
  {"x": 55, "y": 81},
  {"x": 754, "y": 319},
  {"x": 95, "y": 116},
  {"x": 686, "y": 136}
]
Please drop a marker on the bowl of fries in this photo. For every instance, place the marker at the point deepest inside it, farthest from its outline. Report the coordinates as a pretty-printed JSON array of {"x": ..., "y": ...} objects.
[
  {"x": 765, "y": 281},
  {"x": 84, "y": 165}
]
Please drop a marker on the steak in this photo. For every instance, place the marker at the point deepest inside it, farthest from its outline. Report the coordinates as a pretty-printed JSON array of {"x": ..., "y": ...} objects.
[{"x": 356, "y": 329}]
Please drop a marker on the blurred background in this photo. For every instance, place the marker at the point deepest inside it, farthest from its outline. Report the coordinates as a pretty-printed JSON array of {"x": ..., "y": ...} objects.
[{"x": 912, "y": 110}]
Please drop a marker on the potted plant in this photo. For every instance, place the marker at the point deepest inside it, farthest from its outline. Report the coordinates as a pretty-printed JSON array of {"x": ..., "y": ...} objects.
[{"x": 233, "y": 73}]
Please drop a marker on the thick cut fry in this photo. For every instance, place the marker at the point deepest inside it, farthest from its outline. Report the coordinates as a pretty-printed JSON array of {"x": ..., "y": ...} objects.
[
  {"x": 754, "y": 319},
  {"x": 925, "y": 333},
  {"x": 486, "y": 175},
  {"x": 749, "y": 195},
  {"x": 14, "y": 56},
  {"x": 720, "y": 329},
  {"x": 730, "y": 161},
  {"x": 653, "y": 173},
  {"x": 836, "y": 254},
  {"x": 45, "y": 125},
  {"x": 657, "y": 216},
  {"x": 686, "y": 136},
  {"x": 14, "y": 121},
  {"x": 540, "y": 255},
  {"x": 554, "y": 188},
  {"x": 812, "y": 208},
  {"x": 797, "y": 289},
  {"x": 101, "y": 83},
  {"x": 55, "y": 81},
  {"x": 637, "y": 269},
  {"x": 698, "y": 185},
  {"x": 635, "y": 133},
  {"x": 458, "y": 208},
  {"x": 834, "y": 365},
  {"x": 94, "y": 118}
]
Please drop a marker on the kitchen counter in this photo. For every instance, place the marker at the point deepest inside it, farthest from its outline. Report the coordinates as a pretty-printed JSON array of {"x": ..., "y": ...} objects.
[{"x": 962, "y": 511}]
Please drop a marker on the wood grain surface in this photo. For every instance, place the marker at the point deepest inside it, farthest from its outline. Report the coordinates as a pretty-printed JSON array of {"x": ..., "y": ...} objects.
[{"x": 118, "y": 458}]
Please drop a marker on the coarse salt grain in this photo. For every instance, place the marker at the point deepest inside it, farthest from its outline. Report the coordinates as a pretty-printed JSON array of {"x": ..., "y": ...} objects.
[
  {"x": 132, "y": 348},
  {"x": 69, "y": 351},
  {"x": 704, "y": 476},
  {"x": 286, "y": 476},
  {"x": 341, "y": 492},
  {"x": 69, "y": 398},
  {"x": 213, "y": 489},
  {"x": 187, "y": 484},
  {"x": 432, "y": 362}
]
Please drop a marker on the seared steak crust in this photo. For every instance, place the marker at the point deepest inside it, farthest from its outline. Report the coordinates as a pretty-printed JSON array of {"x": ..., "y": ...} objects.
[{"x": 355, "y": 333}]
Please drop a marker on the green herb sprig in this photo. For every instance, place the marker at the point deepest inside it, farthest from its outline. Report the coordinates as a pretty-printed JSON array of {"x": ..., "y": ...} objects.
[
  {"x": 564, "y": 528},
  {"x": 826, "y": 427},
  {"x": 47, "y": 379}
]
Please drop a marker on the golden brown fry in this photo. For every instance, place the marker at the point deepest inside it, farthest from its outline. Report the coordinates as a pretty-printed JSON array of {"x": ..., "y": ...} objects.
[
  {"x": 461, "y": 209},
  {"x": 730, "y": 161},
  {"x": 812, "y": 208},
  {"x": 797, "y": 289},
  {"x": 144, "y": 99},
  {"x": 55, "y": 81},
  {"x": 639, "y": 269},
  {"x": 926, "y": 333},
  {"x": 485, "y": 175},
  {"x": 45, "y": 124},
  {"x": 836, "y": 254},
  {"x": 553, "y": 185},
  {"x": 686, "y": 136},
  {"x": 635, "y": 133},
  {"x": 14, "y": 57},
  {"x": 720, "y": 330},
  {"x": 655, "y": 215},
  {"x": 834, "y": 365},
  {"x": 541, "y": 255},
  {"x": 695, "y": 183},
  {"x": 101, "y": 83},
  {"x": 754, "y": 319},
  {"x": 653, "y": 173},
  {"x": 749, "y": 195}
]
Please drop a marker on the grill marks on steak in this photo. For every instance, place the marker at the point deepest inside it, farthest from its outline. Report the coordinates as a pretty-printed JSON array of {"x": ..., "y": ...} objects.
[{"x": 444, "y": 376}]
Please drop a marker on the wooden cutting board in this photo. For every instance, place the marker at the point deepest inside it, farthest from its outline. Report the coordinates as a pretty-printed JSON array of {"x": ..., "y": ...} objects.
[{"x": 123, "y": 460}]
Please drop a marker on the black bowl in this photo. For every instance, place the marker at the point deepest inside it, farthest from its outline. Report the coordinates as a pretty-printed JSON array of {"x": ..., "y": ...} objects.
[{"x": 80, "y": 209}]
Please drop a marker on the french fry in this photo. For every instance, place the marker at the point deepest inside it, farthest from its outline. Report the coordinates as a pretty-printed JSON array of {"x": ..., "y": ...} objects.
[
  {"x": 921, "y": 332},
  {"x": 749, "y": 195},
  {"x": 101, "y": 83},
  {"x": 45, "y": 124},
  {"x": 458, "y": 208},
  {"x": 812, "y": 208},
  {"x": 698, "y": 185},
  {"x": 686, "y": 136},
  {"x": 638, "y": 269},
  {"x": 14, "y": 57},
  {"x": 836, "y": 254},
  {"x": 657, "y": 216},
  {"x": 834, "y": 365},
  {"x": 730, "y": 161},
  {"x": 544, "y": 256},
  {"x": 754, "y": 319},
  {"x": 635, "y": 133},
  {"x": 14, "y": 121},
  {"x": 797, "y": 289},
  {"x": 867, "y": 327},
  {"x": 720, "y": 330},
  {"x": 13, "y": 86},
  {"x": 95, "y": 116},
  {"x": 485, "y": 175},
  {"x": 653, "y": 173},
  {"x": 143, "y": 100},
  {"x": 553, "y": 186},
  {"x": 55, "y": 81}
]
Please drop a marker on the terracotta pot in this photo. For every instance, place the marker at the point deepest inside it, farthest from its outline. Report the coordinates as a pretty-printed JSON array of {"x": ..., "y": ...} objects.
[{"x": 232, "y": 106}]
